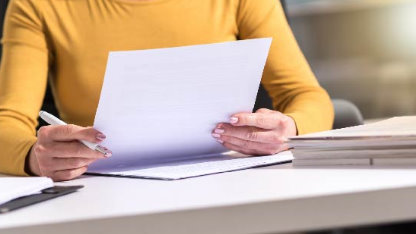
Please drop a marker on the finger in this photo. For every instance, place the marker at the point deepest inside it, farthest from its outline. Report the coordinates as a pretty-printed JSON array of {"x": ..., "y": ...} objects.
[
  {"x": 60, "y": 164},
  {"x": 72, "y": 149},
  {"x": 258, "y": 148},
  {"x": 249, "y": 133},
  {"x": 264, "y": 110},
  {"x": 68, "y": 174},
  {"x": 260, "y": 120},
  {"x": 70, "y": 132},
  {"x": 239, "y": 149}
]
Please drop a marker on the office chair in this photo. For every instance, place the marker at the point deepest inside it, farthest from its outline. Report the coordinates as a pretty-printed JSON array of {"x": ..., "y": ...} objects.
[{"x": 346, "y": 113}]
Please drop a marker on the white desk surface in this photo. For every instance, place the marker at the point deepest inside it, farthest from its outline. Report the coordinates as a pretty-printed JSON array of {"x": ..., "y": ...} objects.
[{"x": 263, "y": 200}]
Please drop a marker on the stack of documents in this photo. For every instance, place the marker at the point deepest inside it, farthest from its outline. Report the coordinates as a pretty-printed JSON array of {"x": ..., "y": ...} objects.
[{"x": 389, "y": 142}]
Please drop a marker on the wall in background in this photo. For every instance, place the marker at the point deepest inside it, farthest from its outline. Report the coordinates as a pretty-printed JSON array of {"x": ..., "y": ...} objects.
[{"x": 363, "y": 51}]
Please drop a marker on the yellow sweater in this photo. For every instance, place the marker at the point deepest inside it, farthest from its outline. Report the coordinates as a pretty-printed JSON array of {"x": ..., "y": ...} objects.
[{"x": 69, "y": 40}]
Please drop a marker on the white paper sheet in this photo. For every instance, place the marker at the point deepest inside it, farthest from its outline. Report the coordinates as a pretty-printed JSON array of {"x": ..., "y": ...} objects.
[
  {"x": 15, "y": 187},
  {"x": 161, "y": 105}
]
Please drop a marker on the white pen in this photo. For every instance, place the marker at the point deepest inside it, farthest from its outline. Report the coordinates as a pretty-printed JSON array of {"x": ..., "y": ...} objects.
[{"x": 52, "y": 120}]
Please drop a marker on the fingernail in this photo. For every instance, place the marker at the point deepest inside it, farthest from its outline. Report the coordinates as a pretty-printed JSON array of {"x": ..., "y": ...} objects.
[
  {"x": 108, "y": 153},
  {"x": 233, "y": 120},
  {"x": 219, "y": 130},
  {"x": 216, "y": 135},
  {"x": 100, "y": 136},
  {"x": 220, "y": 141}
]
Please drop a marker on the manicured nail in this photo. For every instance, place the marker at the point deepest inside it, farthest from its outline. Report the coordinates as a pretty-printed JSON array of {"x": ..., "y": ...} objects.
[
  {"x": 220, "y": 141},
  {"x": 219, "y": 131},
  {"x": 216, "y": 135},
  {"x": 233, "y": 120},
  {"x": 100, "y": 136},
  {"x": 108, "y": 153}
]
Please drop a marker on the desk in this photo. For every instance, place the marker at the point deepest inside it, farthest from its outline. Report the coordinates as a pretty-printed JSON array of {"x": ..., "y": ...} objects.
[{"x": 263, "y": 200}]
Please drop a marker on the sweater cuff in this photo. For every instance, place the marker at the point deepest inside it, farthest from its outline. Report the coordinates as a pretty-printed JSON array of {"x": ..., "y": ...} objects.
[
  {"x": 13, "y": 157},
  {"x": 301, "y": 122},
  {"x": 22, "y": 163},
  {"x": 27, "y": 164}
]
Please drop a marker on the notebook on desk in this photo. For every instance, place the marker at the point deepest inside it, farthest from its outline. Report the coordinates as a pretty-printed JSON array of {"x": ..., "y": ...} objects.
[
  {"x": 19, "y": 192},
  {"x": 159, "y": 106},
  {"x": 14, "y": 187}
]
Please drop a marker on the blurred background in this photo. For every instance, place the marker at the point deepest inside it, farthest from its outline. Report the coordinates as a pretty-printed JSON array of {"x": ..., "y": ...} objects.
[{"x": 361, "y": 50}]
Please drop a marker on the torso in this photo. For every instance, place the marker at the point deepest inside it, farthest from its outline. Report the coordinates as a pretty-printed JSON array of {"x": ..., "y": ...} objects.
[{"x": 82, "y": 32}]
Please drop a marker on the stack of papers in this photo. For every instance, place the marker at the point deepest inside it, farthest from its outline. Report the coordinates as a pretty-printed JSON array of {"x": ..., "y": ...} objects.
[
  {"x": 15, "y": 187},
  {"x": 388, "y": 142}
]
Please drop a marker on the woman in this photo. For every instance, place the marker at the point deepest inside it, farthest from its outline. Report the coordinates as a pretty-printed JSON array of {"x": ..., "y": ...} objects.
[{"x": 69, "y": 40}]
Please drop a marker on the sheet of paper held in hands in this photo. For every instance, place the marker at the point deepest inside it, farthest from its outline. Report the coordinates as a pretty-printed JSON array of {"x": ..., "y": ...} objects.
[{"x": 159, "y": 106}]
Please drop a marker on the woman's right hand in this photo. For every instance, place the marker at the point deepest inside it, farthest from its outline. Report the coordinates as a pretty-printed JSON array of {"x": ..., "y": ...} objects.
[{"x": 58, "y": 154}]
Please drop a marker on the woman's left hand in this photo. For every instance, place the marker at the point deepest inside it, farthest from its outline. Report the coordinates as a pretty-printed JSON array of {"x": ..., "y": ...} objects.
[{"x": 261, "y": 133}]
